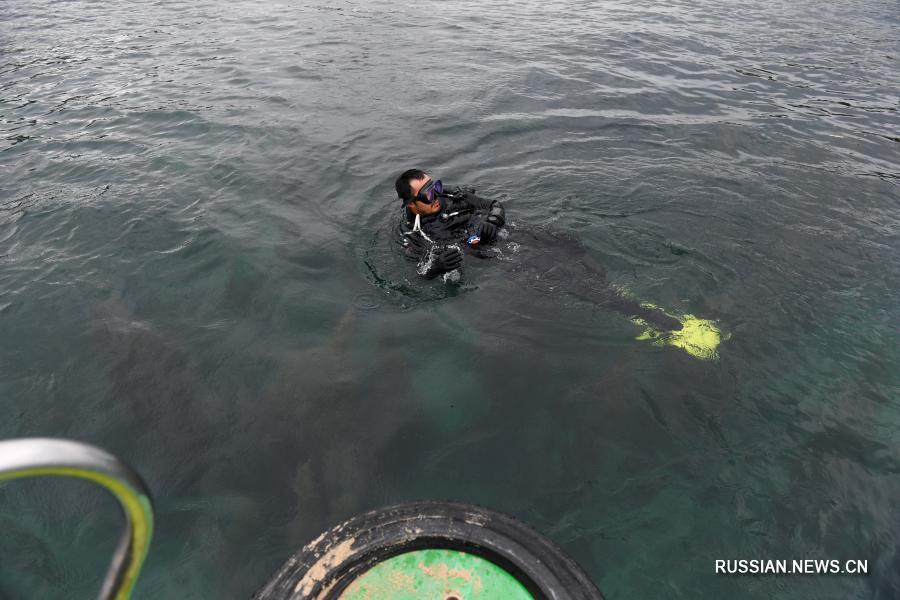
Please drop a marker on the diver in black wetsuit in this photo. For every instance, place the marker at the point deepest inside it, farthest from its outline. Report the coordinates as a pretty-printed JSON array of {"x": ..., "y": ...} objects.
[{"x": 440, "y": 223}]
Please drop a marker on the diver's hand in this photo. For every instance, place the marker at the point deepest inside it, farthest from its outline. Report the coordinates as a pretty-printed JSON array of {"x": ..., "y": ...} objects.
[
  {"x": 487, "y": 232},
  {"x": 415, "y": 246},
  {"x": 446, "y": 260}
]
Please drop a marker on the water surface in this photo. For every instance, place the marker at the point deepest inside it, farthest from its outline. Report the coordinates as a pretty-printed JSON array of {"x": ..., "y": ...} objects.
[{"x": 197, "y": 273}]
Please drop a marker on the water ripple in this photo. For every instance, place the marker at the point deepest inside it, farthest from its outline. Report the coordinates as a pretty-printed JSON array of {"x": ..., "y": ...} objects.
[{"x": 197, "y": 269}]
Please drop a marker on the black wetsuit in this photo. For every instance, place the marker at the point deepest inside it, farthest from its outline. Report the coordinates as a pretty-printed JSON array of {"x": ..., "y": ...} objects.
[
  {"x": 541, "y": 258},
  {"x": 461, "y": 215},
  {"x": 462, "y": 211}
]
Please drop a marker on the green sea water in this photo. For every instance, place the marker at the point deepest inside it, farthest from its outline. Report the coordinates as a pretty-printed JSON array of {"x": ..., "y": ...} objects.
[{"x": 198, "y": 273}]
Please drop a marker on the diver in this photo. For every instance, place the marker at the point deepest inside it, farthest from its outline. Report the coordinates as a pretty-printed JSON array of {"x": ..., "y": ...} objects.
[{"x": 441, "y": 224}]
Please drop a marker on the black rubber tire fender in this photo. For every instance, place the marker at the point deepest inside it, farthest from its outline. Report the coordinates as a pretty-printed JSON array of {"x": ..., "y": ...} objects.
[{"x": 328, "y": 564}]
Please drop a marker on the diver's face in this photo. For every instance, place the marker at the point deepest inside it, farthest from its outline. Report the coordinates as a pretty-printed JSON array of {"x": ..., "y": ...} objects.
[{"x": 417, "y": 206}]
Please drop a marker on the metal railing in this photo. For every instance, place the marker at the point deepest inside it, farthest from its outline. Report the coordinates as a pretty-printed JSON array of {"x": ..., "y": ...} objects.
[{"x": 36, "y": 457}]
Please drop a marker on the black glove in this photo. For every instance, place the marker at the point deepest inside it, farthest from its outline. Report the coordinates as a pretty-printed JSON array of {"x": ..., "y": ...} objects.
[
  {"x": 444, "y": 260},
  {"x": 415, "y": 245},
  {"x": 487, "y": 231}
]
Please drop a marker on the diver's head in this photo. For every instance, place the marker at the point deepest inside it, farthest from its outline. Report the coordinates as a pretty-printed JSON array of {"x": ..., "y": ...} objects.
[{"x": 419, "y": 192}]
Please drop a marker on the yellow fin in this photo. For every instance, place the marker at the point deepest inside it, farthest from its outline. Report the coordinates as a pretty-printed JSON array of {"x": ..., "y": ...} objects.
[{"x": 697, "y": 337}]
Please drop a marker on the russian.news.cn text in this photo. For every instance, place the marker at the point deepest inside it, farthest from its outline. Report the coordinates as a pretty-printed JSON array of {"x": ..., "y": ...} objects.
[{"x": 809, "y": 566}]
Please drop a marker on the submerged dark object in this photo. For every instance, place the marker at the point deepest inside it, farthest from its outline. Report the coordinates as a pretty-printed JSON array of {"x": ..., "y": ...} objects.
[{"x": 436, "y": 551}]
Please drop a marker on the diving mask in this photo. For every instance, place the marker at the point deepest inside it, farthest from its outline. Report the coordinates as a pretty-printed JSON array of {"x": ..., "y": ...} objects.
[{"x": 428, "y": 191}]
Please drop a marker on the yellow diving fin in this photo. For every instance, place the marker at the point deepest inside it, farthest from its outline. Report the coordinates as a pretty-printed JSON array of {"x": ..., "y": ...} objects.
[{"x": 697, "y": 337}]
